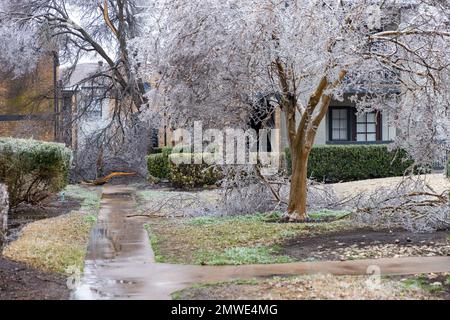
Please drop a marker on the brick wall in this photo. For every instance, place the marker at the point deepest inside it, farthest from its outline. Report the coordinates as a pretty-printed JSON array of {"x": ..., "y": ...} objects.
[
  {"x": 39, "y": 130},
  {"x": 26, "y": 103}
]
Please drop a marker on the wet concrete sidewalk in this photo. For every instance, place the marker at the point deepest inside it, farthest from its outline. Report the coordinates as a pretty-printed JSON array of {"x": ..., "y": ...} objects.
[
  {"x": 118, "y": 244},
  {"x": 120, "y": 261}
]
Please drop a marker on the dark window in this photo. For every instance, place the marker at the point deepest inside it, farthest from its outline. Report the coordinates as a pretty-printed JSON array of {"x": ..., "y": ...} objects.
[
  {"x": 366, "y": 127},
  {"x": 345, "y": 125},
  {"x": 263, "y": 117},
  {"x": 339, "y": 124},
  {"x": 155, "y": 138},
  {"x": 94, "y": 109},
  {"x": 94, "y": 100}
]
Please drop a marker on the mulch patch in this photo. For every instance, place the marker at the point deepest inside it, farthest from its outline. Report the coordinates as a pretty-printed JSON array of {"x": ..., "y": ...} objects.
[
  {"x": 20, "y": 282},
  {"x": 330, "y": 246}
]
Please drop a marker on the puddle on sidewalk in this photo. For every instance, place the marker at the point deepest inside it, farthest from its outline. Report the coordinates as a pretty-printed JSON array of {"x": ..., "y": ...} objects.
[{"x": 117, "y": 243}]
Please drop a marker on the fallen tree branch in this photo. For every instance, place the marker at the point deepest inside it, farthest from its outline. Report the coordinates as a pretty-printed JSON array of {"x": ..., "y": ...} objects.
[
  {"x": 267, "y": 183},
  {"x": 105, "y": 180},
  {"x": 178, "y": 203}
]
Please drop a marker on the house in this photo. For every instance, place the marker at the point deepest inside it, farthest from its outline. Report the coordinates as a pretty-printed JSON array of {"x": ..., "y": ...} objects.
[
  {"x": 86, "y": 109},
  {"x": 84, "y": 103},
  {"x": 89, "y": 104},
  {"x": 344, "y": 125}
]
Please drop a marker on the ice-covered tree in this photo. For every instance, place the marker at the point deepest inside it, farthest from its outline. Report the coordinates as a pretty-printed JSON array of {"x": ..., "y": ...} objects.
[
  {"x": 79, "y": 31},
  {"x": 76, "y": 30},
  {"x": 212, "y": 58}
]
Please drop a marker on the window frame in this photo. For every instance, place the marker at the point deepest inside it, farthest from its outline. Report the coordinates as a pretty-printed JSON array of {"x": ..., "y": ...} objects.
[
  {"x": 366, "y": 124},
  {"x": 96, "y": 95},
  {"x": 352, "y": 126},
  {"x": 330, "y": 125}
]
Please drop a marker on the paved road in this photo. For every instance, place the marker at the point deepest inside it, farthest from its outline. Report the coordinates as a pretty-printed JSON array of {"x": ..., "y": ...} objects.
[{"x": 120, "y": 263}]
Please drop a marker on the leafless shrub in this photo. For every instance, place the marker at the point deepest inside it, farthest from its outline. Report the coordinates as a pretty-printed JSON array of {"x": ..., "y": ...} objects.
[
  {"x": 245, "y": 192},
  {"x": 250, "y": 192},
  {"x": 412, "y": 205},
  {"x": 120, "y": 148},
  {"x": 180, "y": 204},
  {"x": 322, "y": 196}
]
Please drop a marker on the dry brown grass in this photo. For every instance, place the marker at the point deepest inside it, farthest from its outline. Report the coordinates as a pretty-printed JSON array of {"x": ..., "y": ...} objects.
[
  {"x": 317, "y": 287},
  {"x": 58, "y": 243},
  {"x": 53, "y": 244}
]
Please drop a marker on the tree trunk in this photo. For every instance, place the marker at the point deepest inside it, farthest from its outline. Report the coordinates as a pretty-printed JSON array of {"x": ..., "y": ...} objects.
[
  {"x": 4, "y": 208},
  {"x": 298, "y": 190}
]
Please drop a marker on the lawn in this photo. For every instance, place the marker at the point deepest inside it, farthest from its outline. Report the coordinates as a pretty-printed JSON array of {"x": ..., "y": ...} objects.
[
  {"x": 248, "y": 239},
  {"x": 322, "y": 287},
  {"x": 58, "y": 244}
]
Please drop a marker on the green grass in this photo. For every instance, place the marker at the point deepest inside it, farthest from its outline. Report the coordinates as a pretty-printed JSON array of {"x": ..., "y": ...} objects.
[
  {"x": 154, "y": 243},
  {"x": 177, "y": 295},
  {"x": 90, "y": 198},
  {"x": 253, "y": 218},
  {"x": 328, "y": 214},
  {"x": 423, "y": 283},
  {"x": 90, "y": 218},
  {"x": 243, "y": 239},
  {"x": 263, "y": 217},
  {"x": 242, "y": 255}
]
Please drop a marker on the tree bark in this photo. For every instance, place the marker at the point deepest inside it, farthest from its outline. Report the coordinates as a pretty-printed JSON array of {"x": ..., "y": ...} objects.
[
  {"x": 298, "y": 189},
  {"x": 301, "y": 144}
]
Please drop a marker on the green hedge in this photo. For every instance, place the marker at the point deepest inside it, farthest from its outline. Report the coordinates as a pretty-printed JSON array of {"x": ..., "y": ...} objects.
[
  {"x": 190, "y": 175},
  {"x": 33, "y": 170},
  {"x": 353, "y": 162},
  {"x": 158, "y": 163}
]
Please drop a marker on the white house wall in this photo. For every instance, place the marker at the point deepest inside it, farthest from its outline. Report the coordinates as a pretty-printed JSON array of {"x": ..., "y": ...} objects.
[
  {"x": 283, "y": 132},
  {"x": 321, "y": 137},
  {"x": 388, "y": 130},
  {"x": 89, "y": 126}
]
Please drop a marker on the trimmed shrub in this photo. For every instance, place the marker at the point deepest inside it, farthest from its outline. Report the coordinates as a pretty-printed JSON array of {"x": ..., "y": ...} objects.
[
  {"x": 185, "y": 174},
  {"x": 158, "y": 164},
  {"x": 353, "y": 162},
  {"x": 33, "y": 170},
  {"x": 156, "y": 150}
]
